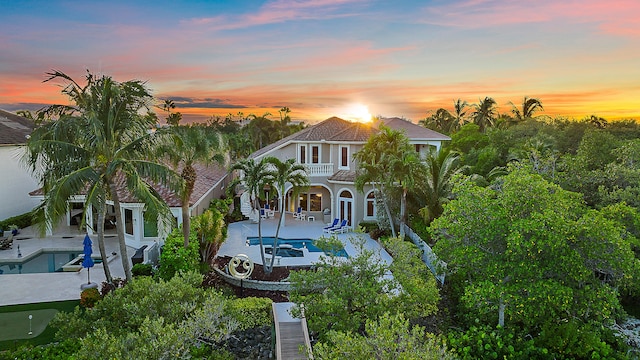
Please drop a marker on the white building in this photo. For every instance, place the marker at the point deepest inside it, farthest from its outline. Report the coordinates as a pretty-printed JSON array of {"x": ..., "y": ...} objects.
[
  {"x": 15, "y": 179},
  {"x": 326, "y": 149}
]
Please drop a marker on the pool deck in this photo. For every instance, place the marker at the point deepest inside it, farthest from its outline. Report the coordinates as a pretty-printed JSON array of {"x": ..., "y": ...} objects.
[
  {"x": 46, "y": 287},
  {"x": 293, "y": 229}
]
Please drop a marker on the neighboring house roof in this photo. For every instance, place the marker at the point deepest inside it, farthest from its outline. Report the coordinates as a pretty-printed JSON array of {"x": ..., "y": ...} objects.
[
  {"x": 337, "y": 129},
  {"x": 207, "y": 178},
  {"x": 14, "y": 129}
]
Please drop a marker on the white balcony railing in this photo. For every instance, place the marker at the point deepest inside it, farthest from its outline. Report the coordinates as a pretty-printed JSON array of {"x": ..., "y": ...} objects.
[{"x": 319, "y": 169}]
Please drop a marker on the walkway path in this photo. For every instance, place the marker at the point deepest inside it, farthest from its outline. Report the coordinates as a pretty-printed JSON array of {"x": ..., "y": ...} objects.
[{"x": 292, "y": 334}]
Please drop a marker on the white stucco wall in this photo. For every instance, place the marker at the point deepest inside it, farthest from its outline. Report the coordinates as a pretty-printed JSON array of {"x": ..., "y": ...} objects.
[{"x": 15, "y": 183}]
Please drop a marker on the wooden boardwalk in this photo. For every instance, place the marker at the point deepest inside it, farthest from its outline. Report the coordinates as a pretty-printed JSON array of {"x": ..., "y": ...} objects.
[{"x": 292, "y": 334}]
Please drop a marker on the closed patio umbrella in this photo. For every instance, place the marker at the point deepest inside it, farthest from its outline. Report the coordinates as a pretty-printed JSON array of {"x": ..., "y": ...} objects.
[{"x": 87, "y": 262}]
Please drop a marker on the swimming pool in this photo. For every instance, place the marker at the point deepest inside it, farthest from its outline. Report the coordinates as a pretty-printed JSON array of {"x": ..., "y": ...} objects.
[
  {"x": 296, "y": 244},
  {"x": 44, "y": 262}
]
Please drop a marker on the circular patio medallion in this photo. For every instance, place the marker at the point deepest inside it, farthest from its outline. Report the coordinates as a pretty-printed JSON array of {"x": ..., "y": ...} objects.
[{"x": 240, "y": 266}]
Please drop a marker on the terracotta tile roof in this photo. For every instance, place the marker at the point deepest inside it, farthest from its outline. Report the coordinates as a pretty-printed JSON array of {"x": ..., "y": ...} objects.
[
  {"x": 14, "y": 129},
  {"x": 343, "y": 176},
  {"x": 318, "y": 132},
  {"x": 337, "y": 129},
  {"x": 208, "y": 176},
  {"x": 413, "y": 131}
]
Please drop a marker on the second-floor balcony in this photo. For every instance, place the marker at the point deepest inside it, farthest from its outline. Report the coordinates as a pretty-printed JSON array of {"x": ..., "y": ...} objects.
[{"x": 319, "y": 169}]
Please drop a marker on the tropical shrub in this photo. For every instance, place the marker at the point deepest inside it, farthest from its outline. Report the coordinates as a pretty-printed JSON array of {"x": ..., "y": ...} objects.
[
  {"x": 142, "y": 270},
  {"x": 175, "y": 257},
  {"x": 485, "y": 342},
  {"x": 63, "y": 350},
  {"x": 20, "y": 221},
  {"x": 250, "y": 312},
  {"x": 389, "y": 337},
  {"x": 89, "y": 297}
]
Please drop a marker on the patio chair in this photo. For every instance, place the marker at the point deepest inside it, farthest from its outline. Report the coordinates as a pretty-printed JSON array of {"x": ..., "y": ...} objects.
[
  {"x": 342, "y": 229},
  {"x": 297, "y": 214},
  {"x": 263, "y": 214},
  {"x": 332, "y": 230},
  {"x": 270, "y": 213},
  {"x": 330, "y": 225}
]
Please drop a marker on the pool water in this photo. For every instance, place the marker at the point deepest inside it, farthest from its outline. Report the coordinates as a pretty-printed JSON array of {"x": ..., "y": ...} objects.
[
  {"x": 45, "y": 262},
  {"x": 296, "y": 244}
]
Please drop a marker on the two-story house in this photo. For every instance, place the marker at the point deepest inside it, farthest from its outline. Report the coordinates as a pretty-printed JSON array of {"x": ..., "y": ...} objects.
[{"x": 327, "y": 149}]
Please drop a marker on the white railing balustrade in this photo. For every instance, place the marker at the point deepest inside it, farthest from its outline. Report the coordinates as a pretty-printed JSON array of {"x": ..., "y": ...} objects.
[{"x": 319, "y": 169}]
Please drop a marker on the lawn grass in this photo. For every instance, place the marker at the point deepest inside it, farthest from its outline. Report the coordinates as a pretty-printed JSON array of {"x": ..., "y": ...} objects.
[{"x": 48, "y": 334}]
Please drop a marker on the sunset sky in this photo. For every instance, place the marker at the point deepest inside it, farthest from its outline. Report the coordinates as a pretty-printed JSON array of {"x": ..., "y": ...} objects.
[{"x": 323, "y": 58}]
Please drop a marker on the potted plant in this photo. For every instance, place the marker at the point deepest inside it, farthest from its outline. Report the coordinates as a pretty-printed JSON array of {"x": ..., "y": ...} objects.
[{"x": 14, "y": 229}]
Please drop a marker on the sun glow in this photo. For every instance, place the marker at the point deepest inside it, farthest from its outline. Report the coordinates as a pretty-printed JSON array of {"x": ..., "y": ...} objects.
[{"x": 358, "y": 112}]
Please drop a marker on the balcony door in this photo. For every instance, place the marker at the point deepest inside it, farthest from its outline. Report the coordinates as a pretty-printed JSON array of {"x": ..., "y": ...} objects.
[{"x": 345, "y": 206}]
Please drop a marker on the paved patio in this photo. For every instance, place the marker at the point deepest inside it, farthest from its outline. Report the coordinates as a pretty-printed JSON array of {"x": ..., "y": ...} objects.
[{"x": 45, "y": 287}]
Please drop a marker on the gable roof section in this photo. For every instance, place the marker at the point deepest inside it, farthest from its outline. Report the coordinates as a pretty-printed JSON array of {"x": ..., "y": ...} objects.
[
  {"x": 337, "y": 129},
  {"x": 14, "y": 129}
]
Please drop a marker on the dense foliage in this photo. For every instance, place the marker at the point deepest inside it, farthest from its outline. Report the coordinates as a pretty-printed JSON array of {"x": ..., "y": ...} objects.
[
  {"x": 175, "y": 258},
  {"x": 159, "y": 320},
  {"x": 342, "y": 294},
  {"x": 529, "y": 255}
]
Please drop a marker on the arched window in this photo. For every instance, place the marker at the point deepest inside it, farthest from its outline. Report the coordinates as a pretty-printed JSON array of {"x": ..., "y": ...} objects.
[{"x": 370, "y": 205}]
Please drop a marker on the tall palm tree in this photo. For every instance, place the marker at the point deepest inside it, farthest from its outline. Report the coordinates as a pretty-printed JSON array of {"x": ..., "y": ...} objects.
[
  {"x": 529, "y": 107},
  {"x": 254, "y": 175},
  {"x": 385, "y": 161},
  {"x": 100, "y": 144},
  {"x": 407, "y": 169},
  {"x": 284, "y": 172},
  {"x": 484, "y": 114},
  {"x": 190, "y": 145},
  {"x": 441, "y": 120},
  {"x": 441, "y": 167},
  {"x": 459, "y": 112}
]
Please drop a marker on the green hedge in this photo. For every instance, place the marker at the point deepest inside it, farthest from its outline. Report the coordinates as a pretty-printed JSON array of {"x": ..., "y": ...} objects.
[{"x": 21, "y": 221}]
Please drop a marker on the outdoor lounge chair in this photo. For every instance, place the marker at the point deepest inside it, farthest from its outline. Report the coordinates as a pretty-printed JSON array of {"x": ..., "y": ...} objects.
[
  {"x": 334, "y": 224},
  {"x": 341, "y": 229},
  {"x": 6, "y": 243},
  {"x": 263, "y": 214},
  {"x": 334, "y": 228},
  {"x": 297, "y": 214}
]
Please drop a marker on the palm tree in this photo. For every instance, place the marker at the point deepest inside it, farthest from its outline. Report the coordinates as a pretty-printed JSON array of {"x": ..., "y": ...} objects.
[
  {"x": 484, "y": 113},
  {"x": 529, "y": 107},
  {"x": 192, "y": 144},
  {"x": 285, "y": 172},
  {"x": 100, "y": 144},
  {"x": 254, "y": 175},
  {"x": 173, "y": 119},
  {"x": 442, "y": 121},
  {"x": 386, "y": 161},
  {"x": 407, "y": 169},
  {"x": 459, "y": 112},
  {"x": 441, "y": 168}
]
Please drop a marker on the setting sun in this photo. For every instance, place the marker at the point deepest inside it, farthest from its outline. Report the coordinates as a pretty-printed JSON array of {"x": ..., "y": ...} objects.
[{"x": 358, "y": 112}]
